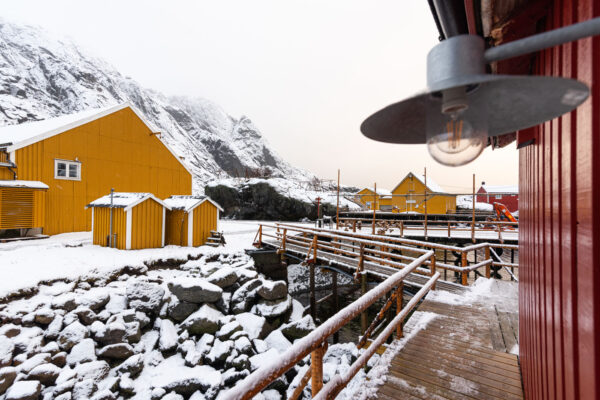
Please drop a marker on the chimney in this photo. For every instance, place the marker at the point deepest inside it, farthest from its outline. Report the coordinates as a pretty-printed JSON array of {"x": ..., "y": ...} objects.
[{"x": 482, "y": 183}]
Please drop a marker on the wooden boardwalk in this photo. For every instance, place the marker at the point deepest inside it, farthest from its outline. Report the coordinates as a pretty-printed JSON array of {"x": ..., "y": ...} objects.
[{"x": 461, "y": 354}]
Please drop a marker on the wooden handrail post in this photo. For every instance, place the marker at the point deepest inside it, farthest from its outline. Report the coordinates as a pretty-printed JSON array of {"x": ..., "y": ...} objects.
[
  {"x": 433, "y": 268},
  {"x": 399, "y": 305},
  {"x": 363, "y": 315},
  {"x": 487, "y": 257},
  {"x": 464, "y": 263},
  {"x": 315, "y": 246},
  {"x": 449, "y": 230},
  {"x": 401, "y": 228},
  {"x": 354, "y": 226},
  {"x": 312, "y": 298},
  {"x": 316, "y": 367}
]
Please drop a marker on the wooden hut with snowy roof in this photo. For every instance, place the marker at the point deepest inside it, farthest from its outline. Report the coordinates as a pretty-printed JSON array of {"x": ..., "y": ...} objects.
[
  {"x": 192, "y": 221},
  {"x": 22, "y": 204},
  {"x": 138, "y": 220},
  {"x": 409, "y": 196}
]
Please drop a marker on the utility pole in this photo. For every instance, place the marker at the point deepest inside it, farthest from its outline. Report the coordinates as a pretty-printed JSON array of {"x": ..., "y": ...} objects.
[
  {"x": 337, "y": 210},
  {"x": 473, "y": 221},
  {"x": 110, "y": 228},
  {"x": 318, "y": 199}
]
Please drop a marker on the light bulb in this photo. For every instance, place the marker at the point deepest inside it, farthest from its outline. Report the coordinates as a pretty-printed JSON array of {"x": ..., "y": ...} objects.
[{"x": 456, "y": 142}]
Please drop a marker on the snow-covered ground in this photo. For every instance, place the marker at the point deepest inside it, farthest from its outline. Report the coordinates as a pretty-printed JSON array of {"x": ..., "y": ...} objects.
[{"x": 466, "y": 202}]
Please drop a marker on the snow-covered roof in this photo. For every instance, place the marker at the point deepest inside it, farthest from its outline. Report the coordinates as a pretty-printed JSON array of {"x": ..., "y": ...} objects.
[
  {"x": 501, "y": 188},
  {"x": 380, "y": 191},
  {"x": 431, "y": 184},
  {"x": 188, "y": 203},
  {"x": 23, "y": 184},
  {"x": 15, "y": 137},
  {"x": 126, "y": 200}
]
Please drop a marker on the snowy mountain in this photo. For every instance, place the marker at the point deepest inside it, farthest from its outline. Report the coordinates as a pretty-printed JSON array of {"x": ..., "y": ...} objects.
[{"x": 42, "y": 77}]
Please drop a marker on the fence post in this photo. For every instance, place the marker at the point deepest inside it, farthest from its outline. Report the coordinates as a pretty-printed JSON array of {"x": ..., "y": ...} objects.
[
  {"x": 313, "y": 301},
  {"x": 354, "y": 226},
  {"x": 363, "y": 315},
  {"x": 487, "y": 267},
  {"x": 399, "y": 305},
  {"x": 449, "y": 230},
  {"x": 433, "y": 268},
  {"x": 401, "y": 228},
  {"x": 316, "y": 367},
  {"x": 464, "y": 264},
  {"x": 336, "y": 306}
]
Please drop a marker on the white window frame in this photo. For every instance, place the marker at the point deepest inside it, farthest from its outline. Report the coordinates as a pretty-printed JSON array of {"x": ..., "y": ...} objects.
[
  {"x": 68, "y": 163},
  {"x": 498, "y": 196}
]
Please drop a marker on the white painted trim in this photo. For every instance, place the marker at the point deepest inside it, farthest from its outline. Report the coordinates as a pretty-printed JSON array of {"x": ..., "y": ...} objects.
[
  {"x": 190, "y": 241},
  {"x": 92, "y": 224},
  {"x": 150, "y": 196},
  {"x": 164, "y": 219},
  {"x": 11, "y": 156},
  {"x": 67, "y": 164},
  {"x": 128, "y": 227},
  {"x": 218, "y": 219}
]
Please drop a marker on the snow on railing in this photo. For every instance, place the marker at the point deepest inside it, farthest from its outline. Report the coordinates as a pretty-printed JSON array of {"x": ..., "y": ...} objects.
[{"x": 314, "y": 343}]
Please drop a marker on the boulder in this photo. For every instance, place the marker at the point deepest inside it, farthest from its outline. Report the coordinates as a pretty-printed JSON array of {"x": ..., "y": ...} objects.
[
  {"x": 133, "y": 332},
  {"x": 95, "y": 299},
  {"x": 223, "y": 277},
  {"x": 45, "y": 373},
  {"x": 273, "y": 308},
  {"x": 84, "y": 390},
  {"x": 194, "y": 290},
  {"x": 66, "y": 301},
  {"x": 53, "y": 330},
  {"x": 231, "y": 376},
  {"x": 256, "y": 326},
  {"x": 96, "y": 370},
  {"x": 33, "y": 362},
  {"x": 50, "y": 347},
  {"x": 244, "y": 296},
  {"x": 277, "y": 340},
  {"x": 180, "y": 310},
  {"x": 71, "y": 335},
  {"x": 205, "y": 320},
  {"x": 228, "y": 329},
  {"x": 133, "y": 365},
  {"x": 273, "y": 290},
  {"x": 144, "y": 296},
  {"x": 24, "y": 390},
  {"x": 44, "y": 316},
  {"x": 219, "y": 351},
  {"x": 258, "y": 360},
  {"x": 10, "y": 330},
  {"x": 83, "y": 351},
  {"x": 168, "y": 336},
  {"x": 104, "y": 395},
  {"x": 298, "y": 329},
  {"x": 7, "y": 348},
  {"x": 114, "y": 332},
  {"x": 241, "y": 362},
  {"x": 7, "y": 377},
  {"x": 118, "y": 351},
  {"x": 243, "y": 346},
  {"x": 223, "y": 304},
  {"x": 85, "y": 315},
  {"x": 188, "y": 380},
  {"x": 59, "y": 359}
]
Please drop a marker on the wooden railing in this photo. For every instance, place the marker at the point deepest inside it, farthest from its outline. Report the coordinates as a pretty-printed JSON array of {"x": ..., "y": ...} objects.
[
  {"x": 394, "y": 252},
  {"x": 315, "y": 343},
  {"x": 383, "y": 226}
]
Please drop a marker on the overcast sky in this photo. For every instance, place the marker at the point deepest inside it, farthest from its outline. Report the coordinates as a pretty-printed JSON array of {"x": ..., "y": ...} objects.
[{"x": 307, "y": 72}]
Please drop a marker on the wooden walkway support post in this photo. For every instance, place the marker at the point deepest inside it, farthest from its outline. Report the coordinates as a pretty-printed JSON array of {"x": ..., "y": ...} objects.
[
  {"x": 313, "y": 301},
  {"x": 432, "y": 267},
  {"x": 337, "y": 209},
  {"x": 374, "y": 208},
  {"x": 464, "y": 263},
  {"x": 316, "y": 367},
  {"x": 487, "y": 267},
  {"x": 336, "y": 303},
  {"x": 399, "y": 305},
  {"x": 363, "y": 315}
]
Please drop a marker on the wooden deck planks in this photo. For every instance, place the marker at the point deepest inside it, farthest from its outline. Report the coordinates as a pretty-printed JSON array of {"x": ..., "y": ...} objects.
[{"x": 456, "y": 356}]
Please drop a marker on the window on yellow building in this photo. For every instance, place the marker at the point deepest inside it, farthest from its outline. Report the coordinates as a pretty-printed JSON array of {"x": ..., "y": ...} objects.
[{"x": 65, "y": 169}]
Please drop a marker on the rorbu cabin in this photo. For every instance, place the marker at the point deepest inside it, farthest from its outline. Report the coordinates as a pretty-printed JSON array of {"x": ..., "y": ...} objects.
[
  {"x": 81, "y": 156},
  {"x": 409, "y": 196},
  {"x": 192, "y": 221},
  {"x": 138, "y": 221},
  {"x": 22, "y": 206}
]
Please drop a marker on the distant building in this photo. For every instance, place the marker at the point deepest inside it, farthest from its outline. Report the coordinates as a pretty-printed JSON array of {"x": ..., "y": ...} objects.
[
  {"x": 368, "y": 198},
  {"x": 409, "y": 196},
  {"x": 505, "y": 194}
]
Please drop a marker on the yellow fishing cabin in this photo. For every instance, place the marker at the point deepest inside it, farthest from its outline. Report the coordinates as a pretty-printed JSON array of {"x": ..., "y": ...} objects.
[{"x": 191, "y": 220}]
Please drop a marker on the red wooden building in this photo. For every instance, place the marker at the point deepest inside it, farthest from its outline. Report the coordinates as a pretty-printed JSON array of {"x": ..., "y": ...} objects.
[
  {"x": 559, "y": 190},
  {"x": 505, "y": 194}
]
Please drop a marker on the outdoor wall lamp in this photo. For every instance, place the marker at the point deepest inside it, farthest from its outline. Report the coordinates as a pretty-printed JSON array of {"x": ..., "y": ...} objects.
[{"x": 463, "y": 105}]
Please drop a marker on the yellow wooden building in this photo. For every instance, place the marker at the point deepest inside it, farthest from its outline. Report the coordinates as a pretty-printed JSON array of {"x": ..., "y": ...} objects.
[
  {"x": 22, "y": 204},
  {"x": 138, "y": 220},
  {"x": 382, "y": 199},
  {"x": 409, "y": 196},
  {"x": 191, "y": 220},
  {"x": 82, "y": 156}
]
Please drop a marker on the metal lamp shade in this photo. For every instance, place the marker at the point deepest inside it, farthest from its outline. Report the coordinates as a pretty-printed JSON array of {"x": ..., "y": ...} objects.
[{"x": 503, "y": 103}]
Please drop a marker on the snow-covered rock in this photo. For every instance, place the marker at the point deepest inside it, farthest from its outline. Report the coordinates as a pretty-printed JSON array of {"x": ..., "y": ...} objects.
[
  {"x": 144, "y": 296},
  {"x": 83, "y": 351},
  {"x": 273, "y": 308},
  {"x": 71, "y": 335},
  {"x": 261, "y": 359},
  {"x": 256, "y": 326},
  {"x": 7, "y": 377},
  {"x": 273, "y": 290},
  {"x": 168, "y": 336},
  {"x": 118, "y": 351},
  {"x": 45, "y": 373},
  {"x": 298, "y": 329},
  {"x": 276, "y": 340},
  {"x": 24, "y": 390},
  {"x": 206, "y": 320},
  {"x": 7, "y": 348},
  {"x": 223, "y": 277},
  {"x": 195, "y": 290}
]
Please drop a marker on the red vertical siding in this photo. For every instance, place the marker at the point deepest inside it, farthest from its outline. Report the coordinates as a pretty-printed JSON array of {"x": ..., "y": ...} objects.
[{"x": 559, "y": 183}]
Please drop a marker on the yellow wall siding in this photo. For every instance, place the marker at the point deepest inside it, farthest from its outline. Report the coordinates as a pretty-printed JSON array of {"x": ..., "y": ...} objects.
[
  {"x": 21, "y": 208},
  {"x": 102, "y": 226},
  {"x": 117, "y": 151},
  {"x": 176, "y": 228},
  {"x": 5, "y": 174},
  {"x": 205, "y": 220},
  {"x": 436, "y": 204},
  {"x": 367, "y": 196},
  {"x": 147, "y": 225}
]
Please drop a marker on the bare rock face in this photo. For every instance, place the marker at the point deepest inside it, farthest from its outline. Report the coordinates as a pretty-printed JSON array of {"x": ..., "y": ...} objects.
[
  {"x": 195, "y": 290},
  {"x": 145, "y": 297}
]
